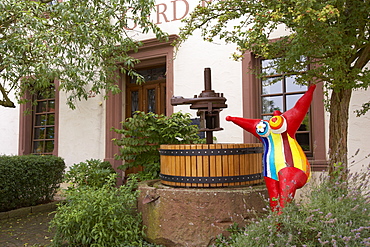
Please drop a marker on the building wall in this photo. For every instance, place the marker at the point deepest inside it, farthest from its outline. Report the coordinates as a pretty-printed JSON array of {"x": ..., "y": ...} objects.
[
  {"x": 82, "y": 131},
  {"x": 195, "y": 55},
  {"x": 9, "y": 130},
  {"x": 358, "y": 136}
]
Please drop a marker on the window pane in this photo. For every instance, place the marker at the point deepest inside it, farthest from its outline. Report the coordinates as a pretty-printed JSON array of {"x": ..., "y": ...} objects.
[
  {"x": 41, "y": 106},
  {"x": 305, "y": 126},
  {"x": 271, "y": 104},
  {"x": 303, "y": 140},
  {"x": 39, "y": 133},
  {"x": 49, "y": 146},
  {"x": 134, "y": 101},
  {"x": 272, "y": 85},
  {"x": 268, "y": 67},
  {"x": 40, "y": 120},
  {"x": 38, "y": 147},
  {"x": 291, "y": 100},
  {"x": 154, "y": 74},
  {"x": 51, "y": 119},
  {"x": 51, "y": 106},
  {"x": 151, "y": 100},
  {"x": 146, "y": 74},
  {"x": 50, "y": 133},
  {"x": 151, "y": 74},
  {"x": 292, "y": 87}
]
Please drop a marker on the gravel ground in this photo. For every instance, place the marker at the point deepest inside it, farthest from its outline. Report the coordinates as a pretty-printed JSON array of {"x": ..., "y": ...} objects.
[{"x": 30, "y": 230}]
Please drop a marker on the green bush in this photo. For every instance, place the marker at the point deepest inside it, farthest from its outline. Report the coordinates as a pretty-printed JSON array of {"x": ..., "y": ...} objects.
[
  {"x": 143, "y": 134},
  {"x": 28, "y": 180},
  {"x": 336, "y": 213},
  {"x": 93, "y": 173},
  {"x": 104, "y": 216}
]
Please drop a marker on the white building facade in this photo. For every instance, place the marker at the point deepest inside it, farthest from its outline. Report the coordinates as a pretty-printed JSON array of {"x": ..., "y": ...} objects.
[{"x": 85, "y": 132}]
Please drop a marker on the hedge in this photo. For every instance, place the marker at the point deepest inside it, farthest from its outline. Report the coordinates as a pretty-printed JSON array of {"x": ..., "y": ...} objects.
[{"x": 29, "y": 180}]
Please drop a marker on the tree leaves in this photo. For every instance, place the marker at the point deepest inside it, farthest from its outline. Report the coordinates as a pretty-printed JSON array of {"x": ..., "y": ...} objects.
[
  {"x": 143, "y": 134},
  {"x": 331, "y": 34},
  {"x": 80, "y": 43}
]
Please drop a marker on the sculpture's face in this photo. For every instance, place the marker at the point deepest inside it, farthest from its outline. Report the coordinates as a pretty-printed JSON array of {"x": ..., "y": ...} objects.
[{"x": 276, "y": 125}]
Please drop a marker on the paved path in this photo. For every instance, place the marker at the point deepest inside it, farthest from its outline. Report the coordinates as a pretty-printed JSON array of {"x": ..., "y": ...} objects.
[{"x": 29, "y": 230}]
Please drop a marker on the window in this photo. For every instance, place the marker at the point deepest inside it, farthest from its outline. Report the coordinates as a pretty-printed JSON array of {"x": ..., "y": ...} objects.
[
  {"x": 280, "y": 92},
  {"x": 38, "y": 127},
  {"x": 149, "y": 96},
  {"x": 261, "y": 98},
  {"x": 43, "y": 127}
]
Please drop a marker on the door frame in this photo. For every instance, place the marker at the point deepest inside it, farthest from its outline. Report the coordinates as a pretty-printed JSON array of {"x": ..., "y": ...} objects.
[{"x": 152, "y": 50}]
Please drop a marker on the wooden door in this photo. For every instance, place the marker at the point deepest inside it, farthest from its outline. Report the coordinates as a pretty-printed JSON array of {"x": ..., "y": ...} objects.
[{"x": 147, "y": 97}]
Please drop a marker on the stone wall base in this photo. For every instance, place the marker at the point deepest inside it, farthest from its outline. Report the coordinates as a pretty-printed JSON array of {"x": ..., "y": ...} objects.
[{"x": 195, "y": 216}]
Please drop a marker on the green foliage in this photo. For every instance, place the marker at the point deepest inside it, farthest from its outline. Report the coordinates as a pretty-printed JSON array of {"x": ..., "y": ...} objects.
[
  {"x": 333, "y": 214},
  {"x": 28, "y": 180},
  {"x": 104, "y": 216},
  {"x": 143, "y": 134},
  {"x": 92, "y": 173},
  {"x": 334, "y": 35},
  {"x": 95, "y": 211},
  {"x": 81, "y": 43}
]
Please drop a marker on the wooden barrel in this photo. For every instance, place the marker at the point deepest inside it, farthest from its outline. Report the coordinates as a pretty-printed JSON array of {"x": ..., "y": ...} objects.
[{"x": 211, "y": 165}]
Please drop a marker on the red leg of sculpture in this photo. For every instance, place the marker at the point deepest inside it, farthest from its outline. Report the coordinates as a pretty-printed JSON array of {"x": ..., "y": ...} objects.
[
  {"x": 283, "y": 191},
  {"x": 273, "y": 190},
  {"x": 290, "y": 179}
]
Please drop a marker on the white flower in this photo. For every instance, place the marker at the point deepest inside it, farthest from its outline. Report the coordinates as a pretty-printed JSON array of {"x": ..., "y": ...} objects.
[{"x": 261, "y": 126}]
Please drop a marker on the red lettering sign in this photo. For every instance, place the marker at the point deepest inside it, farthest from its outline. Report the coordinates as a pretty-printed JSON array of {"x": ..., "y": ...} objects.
[
  {"x": 175, "y": 18},
  {"x": 162, "y": 13}
]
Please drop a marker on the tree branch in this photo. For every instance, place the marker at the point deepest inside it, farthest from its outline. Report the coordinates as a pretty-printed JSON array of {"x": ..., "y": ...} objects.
[
  {"x": 6, "y": 102},
  {"x": 363, "y": 57}
]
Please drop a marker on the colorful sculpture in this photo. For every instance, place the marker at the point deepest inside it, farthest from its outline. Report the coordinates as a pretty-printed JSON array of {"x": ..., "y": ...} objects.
[{"x": 286, "y": 168}]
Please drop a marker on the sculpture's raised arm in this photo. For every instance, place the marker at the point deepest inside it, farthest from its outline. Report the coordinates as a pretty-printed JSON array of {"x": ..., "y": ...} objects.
[
  {"x": 295, "y": 115},
  {"x": 245, "y": 123}
]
